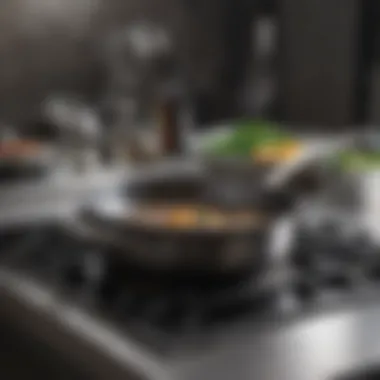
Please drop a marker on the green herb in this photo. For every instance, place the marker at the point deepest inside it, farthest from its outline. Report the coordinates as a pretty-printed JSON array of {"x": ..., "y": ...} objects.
[
  {"x": 246, "y": 138},
  {"x": 356, "y": 160}
]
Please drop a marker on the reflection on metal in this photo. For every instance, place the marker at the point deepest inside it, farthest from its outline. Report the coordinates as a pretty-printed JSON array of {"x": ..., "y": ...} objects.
[{"x": 105, "y": 338}]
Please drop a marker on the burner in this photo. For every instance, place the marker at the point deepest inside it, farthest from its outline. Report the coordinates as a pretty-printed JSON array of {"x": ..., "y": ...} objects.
[
  {"x": 174, "y": 303},
  {"x": 326, "y": 260}
]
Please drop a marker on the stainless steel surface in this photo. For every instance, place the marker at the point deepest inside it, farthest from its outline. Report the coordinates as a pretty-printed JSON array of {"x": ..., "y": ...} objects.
[
  {"x": 316, "y": 346},
  {"x": 86, "y": 340},
  {"x": 106, "y": 219},
  {"x": 189, "y": 253},
  {"x": 54, "y": 197},
  {"x": 226, "y": 250},
  {"x": 356, "y": 196},
  {"x": 61, "y": 193}
]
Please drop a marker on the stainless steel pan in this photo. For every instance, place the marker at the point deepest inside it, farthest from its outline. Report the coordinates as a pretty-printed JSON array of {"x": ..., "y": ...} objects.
[{"x": 226, "y": 251}]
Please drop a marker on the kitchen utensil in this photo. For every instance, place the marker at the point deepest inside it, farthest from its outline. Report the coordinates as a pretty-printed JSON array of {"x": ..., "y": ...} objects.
[{"x": 194, "y": 249}]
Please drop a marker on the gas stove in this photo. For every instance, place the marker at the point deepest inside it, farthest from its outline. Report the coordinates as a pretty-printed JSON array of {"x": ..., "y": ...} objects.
[
  {"x": 180, "y": 326},
  {"x": 97, "y": 278},
  {"x": 323, "y": 266}
]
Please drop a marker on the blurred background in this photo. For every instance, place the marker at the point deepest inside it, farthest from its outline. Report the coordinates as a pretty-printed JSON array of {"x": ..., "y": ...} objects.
[
  {"x": 311, "y": 63},
  {"x": 108, "y": 107}
]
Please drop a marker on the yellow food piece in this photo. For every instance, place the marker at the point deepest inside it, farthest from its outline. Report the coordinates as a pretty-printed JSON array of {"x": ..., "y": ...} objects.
[
  {"x": 290, "y": 149},
  {"x": 267, "y": 154},
  {"x": 283, "y": 151},
  {"x": 183, "y": 218}
]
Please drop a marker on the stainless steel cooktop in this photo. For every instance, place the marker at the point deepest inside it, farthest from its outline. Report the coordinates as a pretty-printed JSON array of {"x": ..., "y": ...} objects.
[{"x": 320, "y": 326}]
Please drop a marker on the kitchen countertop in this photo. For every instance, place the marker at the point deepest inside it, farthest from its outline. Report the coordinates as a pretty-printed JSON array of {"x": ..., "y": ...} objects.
[
  {"x": 320, "y": 347},
  {"x": 52, "y": 196},
  {"x": 317, "y": 346}
]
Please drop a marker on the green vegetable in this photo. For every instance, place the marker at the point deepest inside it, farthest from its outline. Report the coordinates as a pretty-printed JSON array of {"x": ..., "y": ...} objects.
[
  {"x": 247, "y": 137},
  {"x": 356, "y": 160}
]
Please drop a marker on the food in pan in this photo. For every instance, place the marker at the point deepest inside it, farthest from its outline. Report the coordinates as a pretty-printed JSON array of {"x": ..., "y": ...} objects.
[
  {"x": 263, "y": 141},
  {"x": 356, "y": 160},
  {"x": 194, "y": 217},
  {"x": 18, "y": 148},
  {"x": 277, "y": 152}
]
